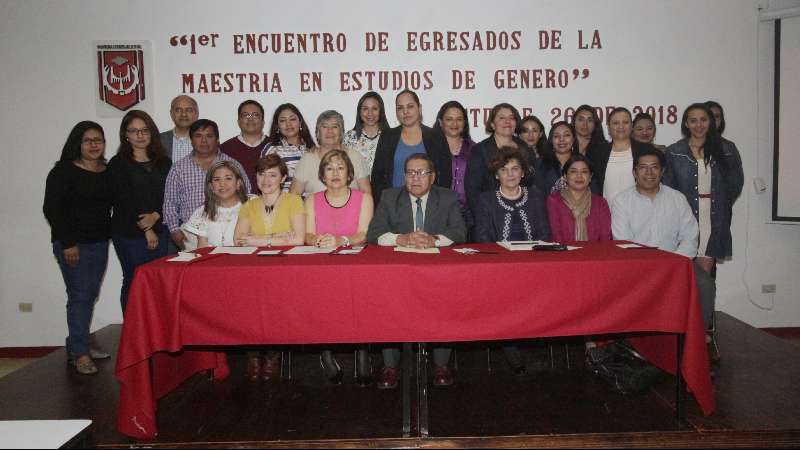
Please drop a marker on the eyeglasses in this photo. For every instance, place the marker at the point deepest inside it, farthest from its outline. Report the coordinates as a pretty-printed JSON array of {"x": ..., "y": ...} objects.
[
  {"x": 250, "y": 115},
  {"x": 418, "y": 173},
  {"x": 96, "y": 141},
  {"x": 139, "y": 131}
]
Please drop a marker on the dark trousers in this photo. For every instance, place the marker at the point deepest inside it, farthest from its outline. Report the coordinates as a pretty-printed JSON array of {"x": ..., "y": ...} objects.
[
  {"x": 707, "y": 290},
  {"x": 83, "y": 286},
  {"x": 132, "y": 253}
]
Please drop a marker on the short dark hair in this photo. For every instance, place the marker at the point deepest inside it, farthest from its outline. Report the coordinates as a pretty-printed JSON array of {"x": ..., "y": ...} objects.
[
  {"x": 506, "y": 155},
  {"x": 270, "y": 161},
  {"x": 712, "y": 104},
  {"x": 577, "y": 158},
  {"x": 493, "y": 114},
  {"x": 249, "y": 102},
  {"x": 420, "y": 156},
  {"x": 458, "y": 106},
  {"x": 202, "y": 124},
  {"x": 650, "y": 151},
  {"x": 329, "y": 157},
  {"x": 72, "y": 147}
]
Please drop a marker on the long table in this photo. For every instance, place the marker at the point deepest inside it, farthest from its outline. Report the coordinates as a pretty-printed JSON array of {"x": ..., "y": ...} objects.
[{"x": 381, "y": 295}]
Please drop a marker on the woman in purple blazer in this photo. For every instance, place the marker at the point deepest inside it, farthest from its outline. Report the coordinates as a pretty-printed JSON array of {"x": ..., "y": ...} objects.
[{"x": 575, "y": 213}]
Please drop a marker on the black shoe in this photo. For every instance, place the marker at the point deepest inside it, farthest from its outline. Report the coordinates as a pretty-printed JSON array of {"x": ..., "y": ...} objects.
[
  {"x": 363, "y": 368},
  {"x": 331, "y": 367},
  {"x": 520, "y": 371}
]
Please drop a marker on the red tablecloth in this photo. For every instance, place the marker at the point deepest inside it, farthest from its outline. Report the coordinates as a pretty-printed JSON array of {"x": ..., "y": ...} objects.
[{"x": 386, "y": 296}]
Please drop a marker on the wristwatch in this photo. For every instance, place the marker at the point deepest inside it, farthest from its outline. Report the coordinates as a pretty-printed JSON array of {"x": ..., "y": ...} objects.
[{"x": 345, "y": 241}]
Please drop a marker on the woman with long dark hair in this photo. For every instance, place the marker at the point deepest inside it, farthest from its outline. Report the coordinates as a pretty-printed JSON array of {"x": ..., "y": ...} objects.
[
  {"x": 397, "y": 144},
  {"x": 710, "y": 177},
  {"x": 588, "y": 129},
  {"x": 289, "y": 138},
  {"x": 561, "y": 145},
  {"x": 531, "y": 130},
  {"x": 138, "y": 174},
  {"x": 370, "y": 123},
  {"x": 452, "y": 122},
  {"x": 77, "y": 204}
]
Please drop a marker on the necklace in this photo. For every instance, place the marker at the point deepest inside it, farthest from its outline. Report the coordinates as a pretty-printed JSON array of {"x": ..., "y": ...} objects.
[
  {"x": 509, "y": 210},
  {"x": 269, "y": 208},
  {"x": 512, "y": 197}
]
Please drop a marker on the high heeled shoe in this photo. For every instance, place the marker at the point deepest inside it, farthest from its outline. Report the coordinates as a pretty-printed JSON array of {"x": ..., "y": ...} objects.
[
  {"x": 330, "y": 367},
  {"x": 363, "y": 368}
]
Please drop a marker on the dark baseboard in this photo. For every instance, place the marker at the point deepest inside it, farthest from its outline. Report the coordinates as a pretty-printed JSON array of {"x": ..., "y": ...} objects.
[
  {"x": 784, "y": 332},
  {"x": 26, "y": 352}
]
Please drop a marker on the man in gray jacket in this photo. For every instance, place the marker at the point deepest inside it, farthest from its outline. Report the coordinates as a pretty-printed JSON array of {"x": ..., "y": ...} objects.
[
  {"x": 418, "y": 215},
  {"x": 176, "y": 142}
]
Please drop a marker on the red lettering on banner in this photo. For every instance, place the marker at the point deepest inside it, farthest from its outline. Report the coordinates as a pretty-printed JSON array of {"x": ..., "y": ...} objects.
[
  {"x": 214, "y": 83},
  {"x": 252, "y": 43},
  {"x": 450, "y": 41},
  {"x": 376, "y": 41},
  {"x": 310, "y": 81},
  {"x": 595, "y": 44},
  {"x": 550, "y": 39}
]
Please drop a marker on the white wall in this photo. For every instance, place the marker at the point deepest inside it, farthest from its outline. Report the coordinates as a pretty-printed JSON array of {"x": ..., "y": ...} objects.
[{"x": 654, "y": 53}]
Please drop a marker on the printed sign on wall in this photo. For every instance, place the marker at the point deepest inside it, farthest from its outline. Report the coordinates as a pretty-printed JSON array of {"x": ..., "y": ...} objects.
[{"x": 123, "y": 70}]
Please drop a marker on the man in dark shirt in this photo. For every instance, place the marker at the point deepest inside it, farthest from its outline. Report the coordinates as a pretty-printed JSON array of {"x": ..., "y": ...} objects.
[{"x": 248, "y": 145}]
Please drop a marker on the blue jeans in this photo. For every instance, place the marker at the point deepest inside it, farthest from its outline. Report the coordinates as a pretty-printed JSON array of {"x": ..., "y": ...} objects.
[
  {"x": 83, "y": 286},
  {"x": 132, "y": 253}
]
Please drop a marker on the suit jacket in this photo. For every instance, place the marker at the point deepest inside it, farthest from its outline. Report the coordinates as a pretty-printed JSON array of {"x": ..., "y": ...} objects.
[
  {"x": 442, "y": 215},
  {"x": 479, "y": 176},
  {"x": 166, "y": 142},
  {"x": 599, "y": 156},
  {"x": 383, "y": 169}
]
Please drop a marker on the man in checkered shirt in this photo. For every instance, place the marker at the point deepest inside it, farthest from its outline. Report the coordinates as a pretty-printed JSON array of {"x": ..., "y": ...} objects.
[{"x": 185, "y": 190}]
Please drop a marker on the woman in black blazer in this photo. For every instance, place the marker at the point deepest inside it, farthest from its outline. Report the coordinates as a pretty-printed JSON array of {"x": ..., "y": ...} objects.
[
  {"x": 620, "y": 128},
  {"x": 501, "y": 125},
  {"x": 397, "y": 144}
]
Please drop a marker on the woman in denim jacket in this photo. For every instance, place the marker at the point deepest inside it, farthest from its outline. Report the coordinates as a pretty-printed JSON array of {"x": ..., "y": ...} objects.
[{"x": 709, "y": 173}]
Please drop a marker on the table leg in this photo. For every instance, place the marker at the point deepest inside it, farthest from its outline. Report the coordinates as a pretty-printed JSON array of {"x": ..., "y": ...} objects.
[
  {"x": 680, "y": 384},
  {"x": 422, "y": 390},
  {"x": 407, "y": 389}
]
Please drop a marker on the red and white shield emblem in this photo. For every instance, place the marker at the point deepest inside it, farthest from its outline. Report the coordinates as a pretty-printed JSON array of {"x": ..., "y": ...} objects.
[{"x": 121, "y": 75}]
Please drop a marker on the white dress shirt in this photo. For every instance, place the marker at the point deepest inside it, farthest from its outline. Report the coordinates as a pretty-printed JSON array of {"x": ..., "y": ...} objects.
[{"x": 665, "y": 221}]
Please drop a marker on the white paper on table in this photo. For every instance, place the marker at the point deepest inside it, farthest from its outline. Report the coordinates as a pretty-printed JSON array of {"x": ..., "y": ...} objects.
[
  {"x": 269, "y": 252},
  {"x": 522, "y": 245},
  {"x": 629, "y": 245},
  {"x": 233, "y": 250},
  {"x": 184, "y": 257},
  {"x": 350, "y": 251},
  {"x": 569, "y": 247},
  {"x": 429, "y": 251},
  {"x": 308, "y": 250},
  {"x": 466, "y": 250}
]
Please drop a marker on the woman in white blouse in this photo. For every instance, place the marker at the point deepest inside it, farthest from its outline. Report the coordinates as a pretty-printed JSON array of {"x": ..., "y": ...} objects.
[{"x": 214, "y": 221}]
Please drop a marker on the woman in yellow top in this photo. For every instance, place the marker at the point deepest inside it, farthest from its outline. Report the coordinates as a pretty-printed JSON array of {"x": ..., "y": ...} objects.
[{"x": 274, "y": 218}]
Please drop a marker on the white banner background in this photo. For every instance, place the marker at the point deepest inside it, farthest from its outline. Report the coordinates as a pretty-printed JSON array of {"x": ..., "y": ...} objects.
[{"x": 654, "y": 53}]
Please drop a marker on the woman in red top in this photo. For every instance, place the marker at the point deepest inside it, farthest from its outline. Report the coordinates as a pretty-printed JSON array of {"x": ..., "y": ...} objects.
[{"x": 575, "y": 213}]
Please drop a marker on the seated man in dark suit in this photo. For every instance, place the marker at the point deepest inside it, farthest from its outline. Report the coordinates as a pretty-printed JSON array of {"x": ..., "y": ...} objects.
[{"x": 418, "y": 215}]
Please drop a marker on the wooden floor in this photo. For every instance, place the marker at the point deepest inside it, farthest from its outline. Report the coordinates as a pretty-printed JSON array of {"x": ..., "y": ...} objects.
[{"x": 757, "y": 391}]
